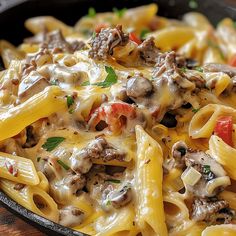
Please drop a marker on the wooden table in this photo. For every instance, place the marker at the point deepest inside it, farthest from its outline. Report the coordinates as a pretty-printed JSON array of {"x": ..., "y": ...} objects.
[{"x": 11, "y": 225}]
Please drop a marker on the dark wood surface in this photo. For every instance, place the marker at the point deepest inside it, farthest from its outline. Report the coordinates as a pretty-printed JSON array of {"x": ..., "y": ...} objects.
[{"x": 11, "y": 225}]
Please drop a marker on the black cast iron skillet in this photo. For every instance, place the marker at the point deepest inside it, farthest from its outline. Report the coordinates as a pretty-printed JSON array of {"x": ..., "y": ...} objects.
[{"x": 13, "y": 13}]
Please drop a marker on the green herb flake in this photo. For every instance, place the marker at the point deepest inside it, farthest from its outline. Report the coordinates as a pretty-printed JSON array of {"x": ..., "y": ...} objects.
[
  {"x": 119, "y": 12},
  {"x": 234, "y": 24},
  {"x": 85, "y": 83},
  {"x": 38, "y": 159},
  {"x": 70, "y": 101},
  {"x": 108, "y": 203},
  {"x": 143, "y": 33},
  {"x": 195, "y": 110},
  {"x": 54, "y": 82},
  {"x": 52, "y": 142},
  {"x": 193, "y": 4},
  {"x": 115, "y": 181},
  {"x": 206, "y": 169},
  {"x": 198, "y": 68},
  {"x": 71, "y": 111},
  {"x": 183, "y": 69},
  {"x": 110, "y": 79},
  {"x": 64, "y": 165},
  {"x": 91, "y": 12},
  {"x": 94, "y": 35}
]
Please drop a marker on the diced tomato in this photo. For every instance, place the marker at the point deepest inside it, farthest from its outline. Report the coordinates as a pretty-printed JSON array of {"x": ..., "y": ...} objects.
[
  {"x": 133, "y": 37},
  {"x": 11, "y": 167},
  {"x": 224, "y": 129},
  {"x": 111, "y": 114},
  {"x": 100, "y": 26},
  {"x": 232, "y": 61}
]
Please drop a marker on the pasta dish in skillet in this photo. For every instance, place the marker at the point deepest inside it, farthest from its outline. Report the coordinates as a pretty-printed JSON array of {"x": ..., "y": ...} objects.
[{"x": 124, "y": 124}]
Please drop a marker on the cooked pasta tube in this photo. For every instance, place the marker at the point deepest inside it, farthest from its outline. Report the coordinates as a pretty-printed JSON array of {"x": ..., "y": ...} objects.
[
  {"x": 120, "y": 221},
  {"x": 204, "y": 121},
  {"x": 43, "y": 182},
  {"x": 40, "y": 23},
  {"x": 32, "y": 198},
  {"x": 40, "y": 105},
  {"x": 222, "y": 230},
  {"x": 174, "y": 37},
  {"x": 150, "y": 209},
  {"x": 18, "y": 169},
  {"x": 224, "y": 154}
]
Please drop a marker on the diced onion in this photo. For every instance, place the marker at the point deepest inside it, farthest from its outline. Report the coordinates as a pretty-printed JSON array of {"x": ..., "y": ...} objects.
[{"x": 191, "y": 176}]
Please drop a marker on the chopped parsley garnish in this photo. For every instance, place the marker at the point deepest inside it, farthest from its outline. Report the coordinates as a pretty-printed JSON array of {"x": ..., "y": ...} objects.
[
  {"x": 193, "y": 4},
  {"x": 52, "y": 142},
  {"x": 235, "y": 24},
  {"x": 94, "y": 35},
  {"x": 183, "y": 69},
  {"x": 195, "y": 110},
  {"x": 143, "y": 33},
  {"x": 110, "y": 79},
  {"x": 38, "y": 159},
  {"x": 198, "y": 68},
  {"x": 91, "y": 12},
  {"x": 214, "y": 45},
  {"x": 207, "y": 173},
  {"x": 54, "y": 82},
  {"x": 71, "y": 110},
  {"x": 206, "y": 169},
  {"x": 115, "y": 181},
  {"x": 64, "y": 165},
  {"x": 85, "y": 83},
  {"x": 119, "y": 12},
  {"x": 108, "y": 202},
  {"x": 70, "y": 101}
]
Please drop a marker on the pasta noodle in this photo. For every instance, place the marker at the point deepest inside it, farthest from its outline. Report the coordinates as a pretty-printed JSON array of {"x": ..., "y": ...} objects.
[{"x": 123, "y": 124}]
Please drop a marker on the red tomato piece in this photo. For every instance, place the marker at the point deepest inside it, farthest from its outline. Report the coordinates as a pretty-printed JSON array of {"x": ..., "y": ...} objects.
[
  {"x": 133, "y": 37},
  {"x": 111, "y": 114},
  {"x": 224, "y": 129},
  {"x": 232, "y": 61}
]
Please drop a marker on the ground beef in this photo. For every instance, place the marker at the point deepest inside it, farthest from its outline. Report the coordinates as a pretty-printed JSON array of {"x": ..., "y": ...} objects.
[
  {"x": 148, "y": 52},
  {"x": 105, "y": 41},
  {"x": 211, "y": 211}
]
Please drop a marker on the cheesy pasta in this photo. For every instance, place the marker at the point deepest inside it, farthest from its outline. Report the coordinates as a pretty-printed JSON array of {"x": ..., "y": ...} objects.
[{"x": 123, "y": 124}]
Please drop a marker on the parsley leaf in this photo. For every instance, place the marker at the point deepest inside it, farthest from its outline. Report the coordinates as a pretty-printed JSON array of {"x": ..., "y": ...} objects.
[
  {"x": 198, "y": 68},
  {"x": 193, "y": 4},
  {"x": 85, "y": 83},
  {"x": 119, "y": 12},
  {"x": 195, "y": 110},
  {"x": 54, "y": 82},
  {"x": 183, "y": 69},
  {"x": 110, "y": 79},
  {"x": 70, "y": 101},
  {"x": 64, "y": 165},
  {"x": 71, "y": 110},
  {"x": 206, "y": 169},
  {"x": 235, "y": 24},
  {"x": 91, "y": 12},
  {"x": 52, "y": 142},
  {"x": 115, "y": 181},
  {"x": 143, "y": 33}
]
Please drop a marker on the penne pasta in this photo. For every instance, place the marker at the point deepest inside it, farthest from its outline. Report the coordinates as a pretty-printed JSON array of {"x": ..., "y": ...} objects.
[
  {"x": 150, "y": 211},
  {"x": 18, "y": 169}
]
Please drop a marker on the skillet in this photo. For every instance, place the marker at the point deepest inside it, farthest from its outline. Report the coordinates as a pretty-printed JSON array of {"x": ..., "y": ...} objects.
[{"x": 13, "y": 13}]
